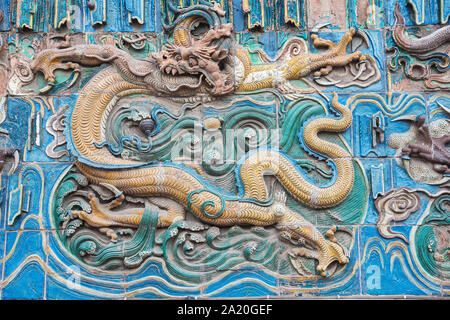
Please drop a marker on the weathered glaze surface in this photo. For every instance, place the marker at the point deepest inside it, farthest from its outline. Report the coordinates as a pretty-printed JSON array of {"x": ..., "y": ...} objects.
[{"x": 158, "y": 149}]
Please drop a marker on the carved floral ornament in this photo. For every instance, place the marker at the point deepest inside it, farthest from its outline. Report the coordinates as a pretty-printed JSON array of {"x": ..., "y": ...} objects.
[{"x": 277, "y": 189}]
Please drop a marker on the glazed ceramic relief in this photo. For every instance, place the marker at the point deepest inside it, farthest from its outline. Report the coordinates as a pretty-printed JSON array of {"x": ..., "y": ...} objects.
[{"x": 224, "y": 149}]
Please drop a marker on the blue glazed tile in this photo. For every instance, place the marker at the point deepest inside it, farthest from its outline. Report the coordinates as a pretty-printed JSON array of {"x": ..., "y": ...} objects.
[
  {"x": 436, "y": 106},
  {"x": 30, "y": 15},
  {"x": 60, "y": 261},
  {"x": 238, "y": 16},
  {"x": 25, "y": 195},
  {"x": 266, "y": 42},
  {"x": 68, "y": 276},
  {"x": 152, "y": 280},
  {"x": 374, "y": 16},
  {"x": 419, "y": 12},
  {"x": 67, "y": 280},
  {"x": 379, "y": 175},
  {"x": 57, "y": 291},
  {"x": 36, "y": 264},
  {"x": 76, "y": 284},
  {"x": 2, "y": 255},
  {"x": 386, "y": 266},
  {"x": 21, "y": 246},
  {"x": 266, "y": 16},
  {"x": 3, "y": 200},
  {"x": 247, "y": 289},
  {"x": 377, "y": 116},
  {"x": 305, "y": 111}
]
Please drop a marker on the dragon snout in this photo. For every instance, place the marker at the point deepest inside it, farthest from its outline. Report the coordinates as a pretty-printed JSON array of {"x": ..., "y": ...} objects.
[{"x": 147, "y": 126}]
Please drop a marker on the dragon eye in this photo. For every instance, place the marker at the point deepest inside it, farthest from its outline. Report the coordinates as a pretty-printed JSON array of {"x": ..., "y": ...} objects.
[{"x": 192, "y": 62}]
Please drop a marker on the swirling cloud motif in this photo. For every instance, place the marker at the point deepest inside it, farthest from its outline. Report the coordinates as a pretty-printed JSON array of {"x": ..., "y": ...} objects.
[
  {"x": 423, "y": 58},
  {"x": 396, "y": 205}
]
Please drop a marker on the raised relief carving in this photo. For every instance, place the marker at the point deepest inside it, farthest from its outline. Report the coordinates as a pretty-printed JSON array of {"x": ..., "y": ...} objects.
[
  {"x": 198, "y": 63},
  {"x": 395, "y": 206},
  {"x": 170, "y": 148},
  {"x": 427, "y": 56}
]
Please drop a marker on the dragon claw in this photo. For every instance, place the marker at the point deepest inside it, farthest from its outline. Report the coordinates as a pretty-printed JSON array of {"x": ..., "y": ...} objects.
[
  {"x": 330, "y": 234},
  {"x": 336, "y": 55},
  {"x": 328, "y": 252}
]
